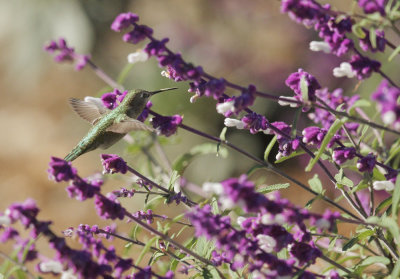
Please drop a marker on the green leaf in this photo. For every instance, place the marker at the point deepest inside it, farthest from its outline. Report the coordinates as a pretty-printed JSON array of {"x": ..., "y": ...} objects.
[
  {"x": 385, "y": 203},
  {"x": 373, "y": 260},
  {"x": 358, "y": 31},
  {"x": 359, "y": 237},
  {"x": 394, "y": 53},
  {"x": 223, "y": 133},
  {"x": 269, "y": 148},
  {"x": 396, "y": 197},
  {"x": 353, "y": 241},
  {"x": 388, "y": 223},
  {"x": 274, "y": 187},
  {"x": 145, "y": 249},
  {"x": 304, "y": 88},
  {"x": 315, "y": 184},
  {"x": 359, "y": 103},
  {"x": 396, "y": 271},
  {"x": 331, "y": 132},
  {"x": 372, "y": 37},
  {"x": 342, "y": 180},
  {"x": 292, "y": 155},
  {"x": 206, "y": 148}
]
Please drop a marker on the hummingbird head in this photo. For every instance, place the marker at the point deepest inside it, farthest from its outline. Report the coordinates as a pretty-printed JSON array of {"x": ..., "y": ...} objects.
[{"x": 136, "y": 100}]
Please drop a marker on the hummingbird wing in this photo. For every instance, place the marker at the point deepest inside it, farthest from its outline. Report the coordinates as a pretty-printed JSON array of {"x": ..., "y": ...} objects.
[
  {"x": 88, "y": 109},
  {"x": 128, "y": 125}
]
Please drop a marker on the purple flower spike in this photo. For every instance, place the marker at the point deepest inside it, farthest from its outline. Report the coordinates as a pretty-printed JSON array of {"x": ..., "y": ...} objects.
[
  {"x": 372, "y": 6},
  {"x": 138, "y": 34},
  {"x": 109, "y": 207},
  {"x": 123, "y": 21},
  {"x": 364, "y": 66},
  {"x": 145, "y": 113},
  {"x": 61, "y": 170},
  {"x": 304, "y": 252},
  {"x": 9, "y": 233},
  {"x": 166, "y": 125},
  {"x": 367, "y": 163},
  {"x": 81, "y": 189},
  {"x": 293, "y": 81},
  {"x": 342, "y": 154},
  {"x": 66, "y": 54},
  {"x": 246, "y": 99},
  {"x": 386, "y": 97},
  {"x": 113, "y": 164}
]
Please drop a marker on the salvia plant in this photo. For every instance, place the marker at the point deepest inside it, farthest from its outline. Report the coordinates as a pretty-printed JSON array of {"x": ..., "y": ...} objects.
[{"x": 234, "y": 228}]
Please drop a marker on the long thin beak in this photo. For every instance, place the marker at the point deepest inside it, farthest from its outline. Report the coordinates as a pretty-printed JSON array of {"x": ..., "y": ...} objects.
[{"x": 162, "y": 90}]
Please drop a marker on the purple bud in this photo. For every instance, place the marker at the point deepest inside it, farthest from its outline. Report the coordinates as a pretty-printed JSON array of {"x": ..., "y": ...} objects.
[
  {"x": 156, "y": 48},
  {"x": 305, "y": 253},
  {"x": 367, "y": 163},
  {"x": 254, "y": 122},
  {"x": 82, "y": 189},
  {"x": 113, "y": 164},
  {"x": 293, "y": 81},
  {"x": 61, "y": 170},
  {"x": 342, "y": 154},
  {"x": 138, "y": 34},
  {"x": 166, "y": 125},
  {"x": 372, "y": 6},
  {"x": 366, "y": 44},
  {"x": 109, "y": 207},
  {"x": 123, "y": 21},
  {"x": 364, "y": 66},
  {"x": 9, "y": 233},
  {"x": 314, "y": 135}
]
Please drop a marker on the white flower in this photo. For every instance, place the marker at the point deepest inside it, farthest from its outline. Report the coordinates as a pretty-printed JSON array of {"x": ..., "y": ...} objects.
[
  {"x": 266, "y": 242},
  {"x": 51, "y": 266},
  {"x": 194, "y": 98},
  {"x": 383, "y": 185},
  {"x": 282, "y": 101},
  {"x": 240, "y": 220},
  {"x": 213, "y": 188},
  {"x": 177, "y": 187},
  {"x": 137, "y": 56},
  {"x": 389, "y": 117},
  {"x": 5, "y": 220},
  {"x": 165, "y": 74},
  {"x": 320, "y": 46},
  {"x": 224, "y": 107},
  {"x": 322, "y": 224},
  {"x": 230, "y": 122},
  {"x": 226, "y": 203},
  {"x": 345, "y": 70},
  {"x": 68, "y": 274}
]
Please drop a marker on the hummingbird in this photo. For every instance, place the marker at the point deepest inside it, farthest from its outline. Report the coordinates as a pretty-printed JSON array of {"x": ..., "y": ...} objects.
[{"x": 109, "y": 126}]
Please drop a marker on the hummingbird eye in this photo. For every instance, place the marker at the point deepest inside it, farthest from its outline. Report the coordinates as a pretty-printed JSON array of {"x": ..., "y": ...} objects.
[{"x": 145, "y": 94}]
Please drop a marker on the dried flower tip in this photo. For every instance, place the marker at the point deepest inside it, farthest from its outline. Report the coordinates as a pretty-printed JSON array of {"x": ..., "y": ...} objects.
[
  {"x": 50, "y": 266},
  {"x": 286, "y": 101},
  {"x": 222, "y": 108}
]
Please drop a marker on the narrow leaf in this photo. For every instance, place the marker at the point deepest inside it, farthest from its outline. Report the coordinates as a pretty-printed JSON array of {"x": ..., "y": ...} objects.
[
  {"x": 396, "y": 197},
  {"x": 331, "y": 132},
  {"x": 394, "y": 53},
  {"x": 269, "y": 148},
  {"x": 272, "y": 188},
  {"x": 315, "y": 184},
  {"x": 145, "y": 249}
]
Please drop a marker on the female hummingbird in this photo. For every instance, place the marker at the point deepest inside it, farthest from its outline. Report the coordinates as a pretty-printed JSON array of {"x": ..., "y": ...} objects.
[{"x": 109, "y": 126}]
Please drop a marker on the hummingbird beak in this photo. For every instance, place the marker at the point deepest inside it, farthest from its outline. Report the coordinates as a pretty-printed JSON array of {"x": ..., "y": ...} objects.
[{"x": 162, "y": 90}]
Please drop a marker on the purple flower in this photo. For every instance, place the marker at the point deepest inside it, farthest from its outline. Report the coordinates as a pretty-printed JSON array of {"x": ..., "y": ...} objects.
[
  {"x": 138, "y": 34},
  {"x": 304, "y": 252},
  {"x": 246, "y": 99},
  {"x": 156, "y": 48},
  {"x": 342, "y": 154},
  {"x": 213, "y": 88},
  {"x": 145, "y": 113},
  {"x": 254, "y": 122},
  {"x": 121, "y": 266},
  {"x": 386, "y": 98},
  {"x": 123, "y": 21},
  {"x": 314, "y": 135},
  {"x": 109, "y": 207},
  {"x": 293, "y": 81},
  {"x": 9, "y": 233},
  {"x": 372, "y": 6},
  {"x": 111, "y": 100},
  {"x": 82, "y": 189},
  {"x": 364, "y": 66},
  {"x": 66, "y": 54},
  {"x": 25, "y": 212},
  {"x": 166, "y": 125},
  {"x": 60, "y": 170},
  {"x": 27, "y": 252},
  {"x": 334, "y": 33},
  {"x": 307, "y": 12},
  {"x": 367, "y": 163},
  {"x": 113, "y": 164},
  {"x": 366, "y": 44}
]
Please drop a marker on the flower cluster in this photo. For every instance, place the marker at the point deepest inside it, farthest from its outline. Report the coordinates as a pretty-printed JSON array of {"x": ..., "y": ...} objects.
[
  {"x": 387, "y": 97},
  {"x": 166, "y": 125},
  {"x": 261, "y": 236},
  {"x": 82, "y": 189},
  {"x": 66, "y": 54},
  {"x": 113, "y": 99}
]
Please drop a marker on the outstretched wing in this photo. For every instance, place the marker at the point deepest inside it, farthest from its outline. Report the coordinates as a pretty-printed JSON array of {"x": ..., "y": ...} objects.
[
  {"x": 128, "y": 125},
  {"x": 90, "y": 109}
]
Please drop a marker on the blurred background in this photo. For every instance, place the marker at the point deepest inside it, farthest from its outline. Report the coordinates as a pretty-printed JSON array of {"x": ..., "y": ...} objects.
[{"x": 245, "y": 42}]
